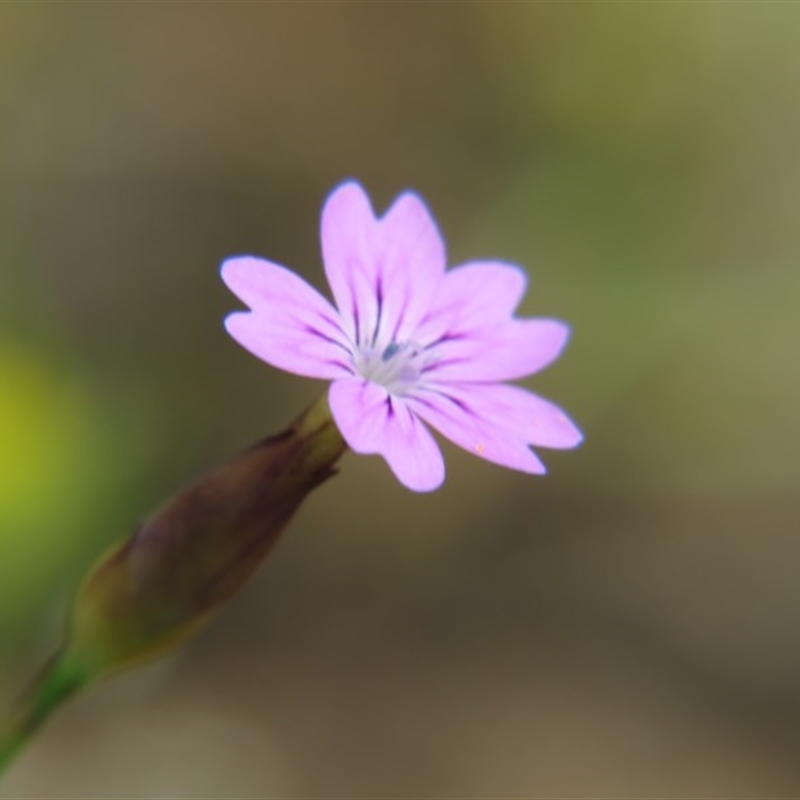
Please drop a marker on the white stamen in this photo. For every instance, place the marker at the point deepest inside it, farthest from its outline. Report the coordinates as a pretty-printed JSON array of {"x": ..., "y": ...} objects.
[{"x": 397, "y": 367}]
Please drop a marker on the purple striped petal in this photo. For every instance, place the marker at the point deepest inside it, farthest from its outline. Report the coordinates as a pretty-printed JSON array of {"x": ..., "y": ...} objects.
[
  {"x": 504, "y": 352},
  {"x": 292, "y": 327},
  {"x": 373, "y": 422},
  {"x": 270, "y": 288},
  {"x": 383, "y": 273},
  {"x": 347, "y": 235},
  {"x": 296, "y": 351},
  {"x": 412, "y": 267},
  {"x": 478, "y": 435},
  {"x": 471, "y": 297},
  {"x": 521, "y": 413}
]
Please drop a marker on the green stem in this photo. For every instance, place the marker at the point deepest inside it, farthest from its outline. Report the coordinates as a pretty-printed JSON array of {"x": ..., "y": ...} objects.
[{"x": 57, "y": 681}]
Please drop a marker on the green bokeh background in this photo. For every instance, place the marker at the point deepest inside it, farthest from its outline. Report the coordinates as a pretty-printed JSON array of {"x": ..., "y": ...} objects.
[{"x": 626, "y": 626}]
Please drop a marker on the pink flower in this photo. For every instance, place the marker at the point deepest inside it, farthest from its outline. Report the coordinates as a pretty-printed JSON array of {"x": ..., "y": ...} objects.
[{"x": 410, "y": 343}]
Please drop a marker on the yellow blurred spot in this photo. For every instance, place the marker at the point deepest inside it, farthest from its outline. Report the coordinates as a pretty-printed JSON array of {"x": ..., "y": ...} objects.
[
  {"x": 44, "y": 424},
  {"x": 48, "y": 450}
]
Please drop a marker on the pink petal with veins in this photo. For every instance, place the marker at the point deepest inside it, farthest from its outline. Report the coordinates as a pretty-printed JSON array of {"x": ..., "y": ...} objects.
[
  {"x": 382, "y": 272},
  {"x": 292, "y": 349},
  {"x": 471, "y": 297},
  {"x": 292, "y": 326},
  {"x": 523, "y": 414},
  {"x": 507, "y": 351},
  {"x": 474, "y": 433},
  {"x": 373, "y": 422},
  {"x": 273, "y": 290}
]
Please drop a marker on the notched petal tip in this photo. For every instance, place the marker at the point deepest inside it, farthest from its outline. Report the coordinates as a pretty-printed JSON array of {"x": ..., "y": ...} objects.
[
  {"x": 410, "y": 217},
  {"x": 239, "y": 325},
  {"x": 514, "y": 278},
  {"x": 409, "y": 202},
  {"x": 571, "y": 436},
  {"x": 249, "y": 277},
  {"x": 547, "y": 340},
  {"x": 538, "y": 467},
  {"x": 232, "y": 321},
  {"x": 347, "y": 197},
  {"x": 560, "y": 331},
  {"x": 351, "y": 184},
  {"x": 236, "y": 268},
  {"x": 424, "y": 487}
]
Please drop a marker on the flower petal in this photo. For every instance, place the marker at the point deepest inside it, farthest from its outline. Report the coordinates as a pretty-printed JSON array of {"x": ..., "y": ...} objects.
[
  {"x": 412, "y": 266},
  {"x": 383, "y": 273},
  {"x": 274, "y": 290},
  {"x": 527, "y": 416},
  {"x": 505, "y": 352},
  {"x": 473, "y": 296},
  {"x": 291, "y": 326},
  {"x": 467, "y": 428},
  {"x": 373, "y": 422},
  {"x": 347, "y": 235},
  {"x": 291, "y": 349}
]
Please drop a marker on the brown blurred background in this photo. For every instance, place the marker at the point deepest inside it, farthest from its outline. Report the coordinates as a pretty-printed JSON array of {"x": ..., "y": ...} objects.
[{"x": 626, "y": 626}]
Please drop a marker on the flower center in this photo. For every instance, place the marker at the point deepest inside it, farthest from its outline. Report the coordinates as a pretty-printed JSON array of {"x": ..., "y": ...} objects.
[{"x": 397, "y": 367}]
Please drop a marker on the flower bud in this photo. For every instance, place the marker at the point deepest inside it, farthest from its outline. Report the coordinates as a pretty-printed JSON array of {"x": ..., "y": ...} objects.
[{"x": 153, "y": 591}]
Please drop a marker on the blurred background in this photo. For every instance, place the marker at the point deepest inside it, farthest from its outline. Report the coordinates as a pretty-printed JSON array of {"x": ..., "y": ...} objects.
[{"x": 625, "y": 626}]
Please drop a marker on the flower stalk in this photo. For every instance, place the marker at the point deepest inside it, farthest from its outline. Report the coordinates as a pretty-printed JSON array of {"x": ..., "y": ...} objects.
[
  {"x": 160, "y": 586},
  {"x": 57, "y": 681}
]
